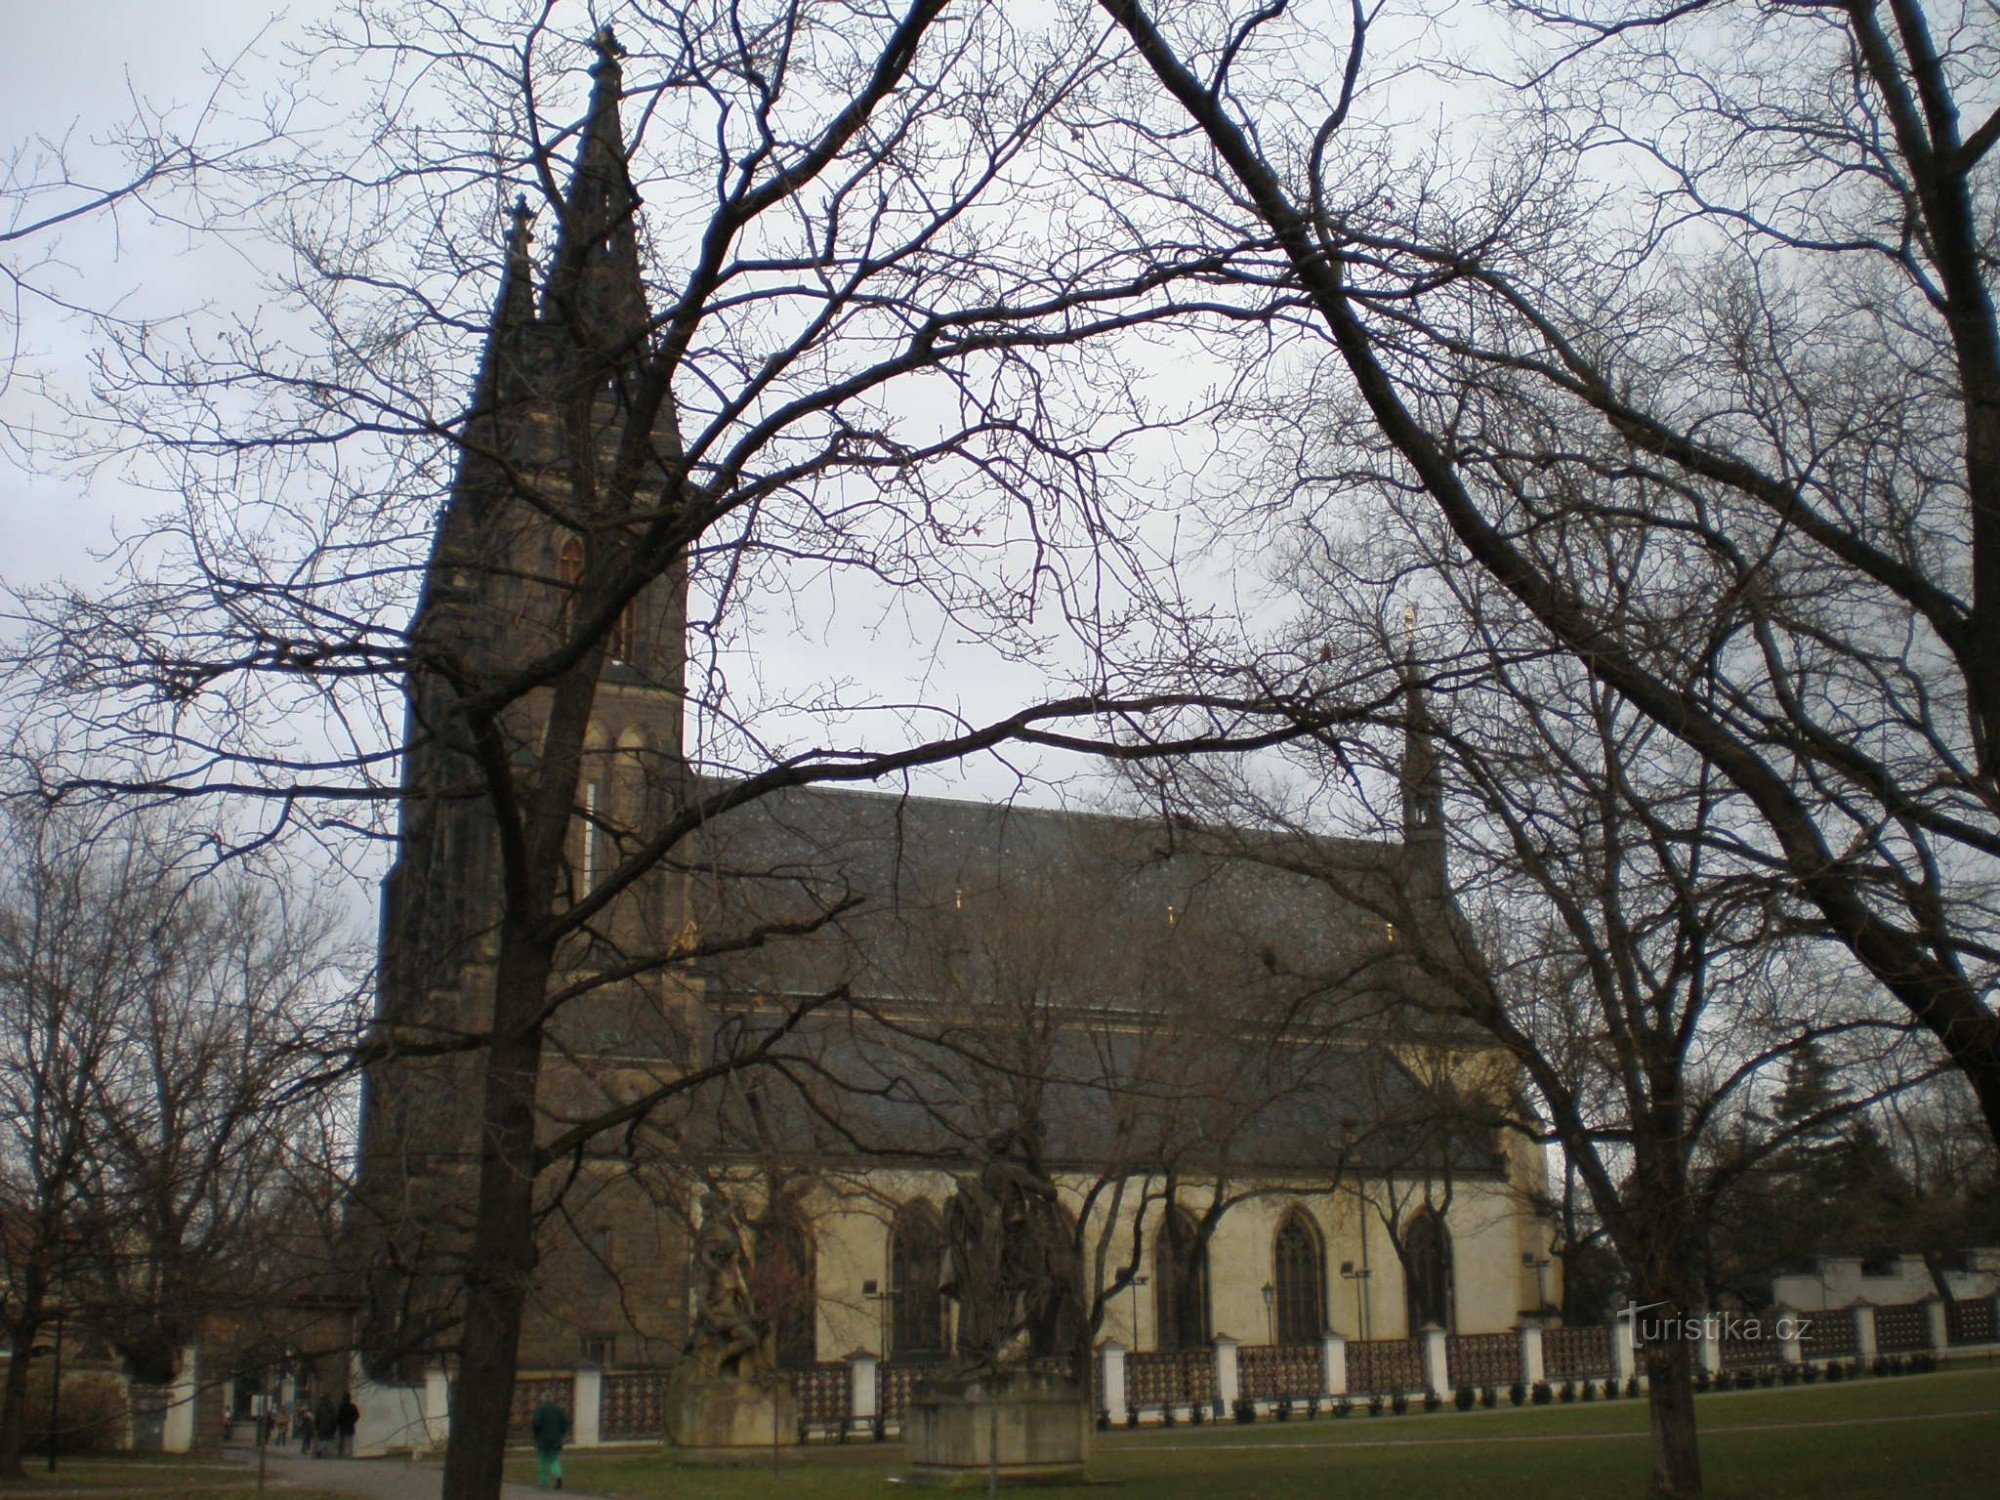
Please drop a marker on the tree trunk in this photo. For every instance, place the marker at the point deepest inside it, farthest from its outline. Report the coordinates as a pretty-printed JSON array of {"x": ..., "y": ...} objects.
[
  {"x": 501, "y": 1257},
  {"x": 1676, "y": 1451},
  {"x": 14, "y": 1397}
]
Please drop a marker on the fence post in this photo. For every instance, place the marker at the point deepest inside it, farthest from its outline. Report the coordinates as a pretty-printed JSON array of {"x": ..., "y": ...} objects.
[
  {"x": 437, "y": 1407},
  {"x": 1111, "y": 1380},
  {"x": 1790, "y": 1350},
  {"x": 1530, "y": 1334},
  {"x": 1707, "y": 1347},
  {"x": 586, "y": 1408},
  {"x": 864, "y": 1388},
  {"x": 1940, "y": 1329},
  {"x": 1864, "y": 1332},
  {"x": 1437, "y": 1359},
  {"x": 178, "y": 1432},
  {"x": 1226, "y": 1386},
  {"x": 1624, "y": 1346},
  {"x": 1333, "y": 1364}
]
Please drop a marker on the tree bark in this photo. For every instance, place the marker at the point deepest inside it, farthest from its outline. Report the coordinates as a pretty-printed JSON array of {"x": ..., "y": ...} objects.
[
  {"x": 501, "y": 1257},
  {"x": 1676, "y": 1452},
  {"x": 14, "y": 1396}
]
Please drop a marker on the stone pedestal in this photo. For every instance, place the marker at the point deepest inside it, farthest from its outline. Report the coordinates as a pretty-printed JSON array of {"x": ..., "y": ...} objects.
[
  {"x": 1021, "y": 1426},
  {"x": 731, "y": 1415}
]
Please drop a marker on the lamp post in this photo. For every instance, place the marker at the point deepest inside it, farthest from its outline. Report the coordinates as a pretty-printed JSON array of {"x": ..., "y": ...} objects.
[
  {"x": 1359, "y": 1277},
  {"x": 55, "y": 1391},
  {"x": 1270, "y": 1320}
]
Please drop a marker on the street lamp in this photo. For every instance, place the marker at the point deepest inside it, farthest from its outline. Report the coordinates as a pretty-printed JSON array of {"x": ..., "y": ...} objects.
[
  {"x": 1270, "y": 1323},
  {"x": 1358, "y": 1277}
]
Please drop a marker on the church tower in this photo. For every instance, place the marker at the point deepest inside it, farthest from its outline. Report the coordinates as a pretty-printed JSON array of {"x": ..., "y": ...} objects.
[
  {"x": 526, "y": 521},
  {"x": 1422, "y": 782}
]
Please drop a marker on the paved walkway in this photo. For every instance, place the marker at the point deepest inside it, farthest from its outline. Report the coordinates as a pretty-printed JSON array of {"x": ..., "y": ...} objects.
[{"x": 372, "y": 1478}]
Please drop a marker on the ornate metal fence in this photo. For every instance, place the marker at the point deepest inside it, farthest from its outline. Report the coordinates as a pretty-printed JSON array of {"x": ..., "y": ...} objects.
[
  {"x": 1483, "y": 1358},
  {"x": 1385, "y": 1366},
  {"x": 1170, "y": 1377},
  {"x": 826, "y": 1395},
  {"x": 1267, "y": 1372},
  {"x": 1901, "y": 1327},
  {"x": 1832, "y": 1334},
  {"x": 1571, "y": 1353},
  {"x": 530, "y": 1391},
  {"x": 1747, "y": 1350},
  {"x": 1970, "y": 1321},
  {"x": 893, "y": 1383},
  {"x": 635, "y": 1405}
]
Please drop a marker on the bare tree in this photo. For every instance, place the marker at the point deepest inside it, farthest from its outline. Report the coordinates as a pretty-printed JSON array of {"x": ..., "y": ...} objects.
[
  {"x": 155, "y": 1029},
  {"x": 1718, "y": 290},
  {"x": 815, "y": 363}
]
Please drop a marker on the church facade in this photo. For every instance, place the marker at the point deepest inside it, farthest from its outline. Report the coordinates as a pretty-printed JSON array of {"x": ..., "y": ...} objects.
[{"x": 1262, "y": 1116}]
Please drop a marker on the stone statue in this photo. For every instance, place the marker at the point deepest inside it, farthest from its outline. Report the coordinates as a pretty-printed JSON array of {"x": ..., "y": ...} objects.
[
  {"x": 726, "y": 1339},
  {"x": 1009, "y": 1263}
]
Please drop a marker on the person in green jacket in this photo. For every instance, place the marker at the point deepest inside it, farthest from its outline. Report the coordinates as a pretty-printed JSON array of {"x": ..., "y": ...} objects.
[{"x": 549, "y": 1426}]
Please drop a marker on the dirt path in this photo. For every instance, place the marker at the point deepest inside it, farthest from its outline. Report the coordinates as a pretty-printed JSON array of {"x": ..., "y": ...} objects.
[{"x": 376, "y": 1478}]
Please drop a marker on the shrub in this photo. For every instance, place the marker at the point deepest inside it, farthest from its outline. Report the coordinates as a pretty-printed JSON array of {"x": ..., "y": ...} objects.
[
  {"x": 1246, "y": 1410},
  {"x": 1809, "y": 1374},
  {"x": 1789, "y": 1374},
  {"x": 1543, "y": 1394},
  {"x": 1132, "y": 1417},
  {"x": 1375, "y": 1406},
  {"x": 1343, "y": 1407},
  {"x": 1490, "y": 1397},
  {"x": 1568, "y": 1391},
  {"x": 1631, "y": 1385},
  {"x": 1283, "y": 1411},
  {"x": 1197, "y": 1413},
  {"x": 1588, "y": 1392},
  {"x": 1432, "y": 1401},
  {"x": 1312, "y": 1406},
  {"x": 1167, "y": 1416},
  {"x": 1401, "y": 1405},
  {"x": 94, "y": 1412},
  {"x": 1464, "y": 1398},
  {"x": 1746, "y": 1380},
  {"x": 1517, "y": 1393}
]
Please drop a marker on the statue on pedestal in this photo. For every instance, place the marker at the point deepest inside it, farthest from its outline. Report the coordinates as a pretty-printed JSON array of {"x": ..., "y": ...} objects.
[
  {"x": 726, "y": 1338},
  {"x": 1009, "y": 1262},
  {"x": 728, "y": 1392}
]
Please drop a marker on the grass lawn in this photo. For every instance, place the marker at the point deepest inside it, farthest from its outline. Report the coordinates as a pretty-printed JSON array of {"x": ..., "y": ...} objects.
[
  {"x": 153, "y": 1477},
  {"x": 1937, "y": 1436}
]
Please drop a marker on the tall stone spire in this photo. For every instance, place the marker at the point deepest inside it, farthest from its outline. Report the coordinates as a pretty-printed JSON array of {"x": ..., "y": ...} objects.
[
  {"x": 1423, "y": 790},
  {"x": 594, "y": 290}
]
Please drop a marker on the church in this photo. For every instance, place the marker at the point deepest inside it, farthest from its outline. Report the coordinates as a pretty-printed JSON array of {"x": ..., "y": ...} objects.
[{"x": 825, "y": 1003}]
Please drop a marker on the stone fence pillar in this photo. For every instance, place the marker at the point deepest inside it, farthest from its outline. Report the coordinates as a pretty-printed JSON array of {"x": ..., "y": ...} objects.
[
  {"x": 1437, "y": 1360},
  {"x": 436, "y": 1408},
  {"x": 1940, "y": 1329},
  {"x": 1624, "y": 1346},
  {"x": 864, "y": 1387},
  {"x": 177, "y": 1434},
  {"x": 1111, "y": 1381},
  {"x": 1864, "y": 1332},
  {"x": 586, "y": 1409},
  {"x": 1790, "y": 1348},
  {"x": 1707, "y": 1348},
  {"x": 1333, "y": 1364},
  {"x": 1226, "y": 1385},
  {"x": 1530, "y": 1334}
]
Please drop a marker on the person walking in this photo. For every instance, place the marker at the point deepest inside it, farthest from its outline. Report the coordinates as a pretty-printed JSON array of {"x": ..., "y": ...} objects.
[
  {"x": 345, "y": 1421},
  {"x": 549, "y": 1426},
  {"x": 302, "y": 1424},
  {"x": 324, "y": 1420}
]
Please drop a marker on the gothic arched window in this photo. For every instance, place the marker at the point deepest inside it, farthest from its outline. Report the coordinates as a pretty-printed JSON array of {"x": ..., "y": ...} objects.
[
  {"x": 569, "y": 573},
  {"x": 916, "y": 1262},
  {"x": 1427, "y": 1271},
  {"x": 1180, "y": 1283},
  {"x": 785, "y": 1286},
  {"x": 1300, "y": 1280}
]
